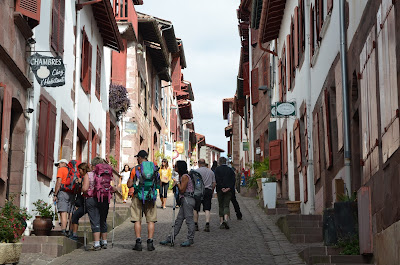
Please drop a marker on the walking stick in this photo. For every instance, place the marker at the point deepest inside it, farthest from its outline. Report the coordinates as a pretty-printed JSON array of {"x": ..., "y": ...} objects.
[
  {"x": 113, "y": 224},
  {"x": 173, "y": 221}
]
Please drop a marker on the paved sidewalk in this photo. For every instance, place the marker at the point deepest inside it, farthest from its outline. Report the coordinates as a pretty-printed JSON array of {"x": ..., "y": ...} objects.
[{"x": 253, "y": 240}]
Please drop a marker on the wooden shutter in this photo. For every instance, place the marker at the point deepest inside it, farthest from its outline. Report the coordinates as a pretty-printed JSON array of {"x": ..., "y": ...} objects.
[
  {"x": 317, "y": 161},
  {"x": 246, "y": 78},
  {"x": 254, "y": 37},
  {"x": 296, "y": 37},
  {"x": 327, "y": 128},
  {"x": 61, "y": 22},
  {"x": 51, "y": 136},
  {"x": 284, "y": 153},
  {"x": 301, "y": 26},
  {"x": 84, "y": 60},
  {"x": 29, "y": 8},
  {"x": 305, "y": 185},
  {"x": 176, "y": 74},
  {"x": 54, "y": 25},
  {"x": 118, "y": 69},
  {"x": 275, "y": 162},
  {"x": 254, "y": 86},
  {"x": 329, "y": 6},
  {"x": 365, "y": 220},
  {"x": 339, "y": 104},
  {"x": 297, "y": 145},
  {"x": 280, "y": 80},
  {"x": 305, "y": 135},
  {"x": 89, "y": 82},
  {"x": 311, "y": 33},
  {"x": 42, "y": 136},
  {"x": 262, "y": 155},
  {"x": 320, "y": 17},
  {"x": 387, "y": 66},
  {"x": 94, "y": 145},
  {"x": 5, "y": 132},
  {"x": 288, "y": 62},
  {"x": 98, "y": 73}
]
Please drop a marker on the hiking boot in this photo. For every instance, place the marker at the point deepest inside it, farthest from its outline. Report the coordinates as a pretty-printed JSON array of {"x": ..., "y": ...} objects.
[
  {"x": 239, "y": 216},
  {"x": 150, "y": 246},
  {"x": 197, "y": 227},
  {"x": 187, "y": 243},
  {"x": 72, "y": 237},
  {"x": 225, "y": 225},
  {"x": 64, "y": 233},
  {"x": 95, "y": 248},
  {"x": 138, "y": 245},
  {"x": 166, "y": 241},
  {"x": 207, "y": 228},
  {"x": 221, "y": 226}
]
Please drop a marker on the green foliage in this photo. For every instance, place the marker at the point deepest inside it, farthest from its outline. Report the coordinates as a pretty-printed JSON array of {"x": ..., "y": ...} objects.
[
  {"x": 261, "y": 170},
  {"x": 12, "y": 219},
  {"x": 349, "y": 245},
  {"x": 346, "y": 198},
  {"x": 113, "y": 162},
  {"x": 43, "y": 209},
  {"x": 159, "y": 156}
]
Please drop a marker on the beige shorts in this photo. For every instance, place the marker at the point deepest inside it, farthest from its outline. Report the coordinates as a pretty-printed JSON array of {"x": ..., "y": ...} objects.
[{"x": 149, "y": 210}]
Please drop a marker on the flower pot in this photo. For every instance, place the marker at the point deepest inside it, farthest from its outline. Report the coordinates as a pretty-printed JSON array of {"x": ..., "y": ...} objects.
[
  {"x": 10, "y": 252},
  {"x": 269, "y": 194},
  {"x": 293, "y": 206},
  {"x": 42, "y": 226}
]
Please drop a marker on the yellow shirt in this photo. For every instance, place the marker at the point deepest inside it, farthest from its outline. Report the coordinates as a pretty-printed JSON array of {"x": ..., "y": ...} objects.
[{"x": 165, "y": 175}]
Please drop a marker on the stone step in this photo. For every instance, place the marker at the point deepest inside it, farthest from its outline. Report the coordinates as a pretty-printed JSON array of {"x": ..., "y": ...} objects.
[
  {"x": 340, "y": 263},
  {"x": 302, "y": 238},
  {"x": 340, "y": 259},
  {"x": 302, "y": 217},
  {"x": 306, "y": 253},
  {"x": 275, "y": 211},
  {"x": 54, "y": 246},
  {"x": 315, "y": 223},
  {"x": 305, "y": 230}
]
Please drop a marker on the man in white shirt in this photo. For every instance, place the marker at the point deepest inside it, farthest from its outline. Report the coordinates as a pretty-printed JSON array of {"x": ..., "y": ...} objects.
[{"x": 209, "y": 184}]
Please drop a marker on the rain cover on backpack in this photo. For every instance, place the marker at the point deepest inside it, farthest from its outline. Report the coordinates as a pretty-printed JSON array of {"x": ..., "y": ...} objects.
[
  {"x": 73, "y": 175},
  {"x": 102, "y": 182},
  {"x": 148, "y": 181}
]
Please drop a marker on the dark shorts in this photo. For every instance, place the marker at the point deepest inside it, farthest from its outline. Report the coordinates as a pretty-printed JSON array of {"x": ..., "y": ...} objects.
[{"x": 208, "y": 194}]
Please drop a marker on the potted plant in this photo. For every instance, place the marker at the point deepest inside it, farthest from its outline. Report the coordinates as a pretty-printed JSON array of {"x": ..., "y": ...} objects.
[
  {"x": 43, "y": 222},
  {"x": 261, "y": 170},
  {"x": 12, "y": 225},
  {"x": 269, "y": 192}
]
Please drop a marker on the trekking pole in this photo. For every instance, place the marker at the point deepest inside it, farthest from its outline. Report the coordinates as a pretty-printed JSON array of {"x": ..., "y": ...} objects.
[
  {"x": 113, "y": 224},
  {"x": 173, "y": 221},
  {"x": 84, "y": 233}
]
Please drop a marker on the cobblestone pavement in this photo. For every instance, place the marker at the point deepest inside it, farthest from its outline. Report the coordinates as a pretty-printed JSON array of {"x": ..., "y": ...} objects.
[{"x": 254, "y": 240}]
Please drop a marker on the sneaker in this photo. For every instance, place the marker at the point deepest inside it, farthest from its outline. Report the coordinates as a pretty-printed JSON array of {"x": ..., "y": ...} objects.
[
  {"x": 225, "y": 224},
  {"x": 150, "y": 246},
  {"x": 104, "y": 246},
  {"x": 197, "y": 227},
  {"x": 187, "y": 243},
  {"x": 95, "y": 248},
  {"x": 138, "y": 245},
  {"x": 239, "y": 216},
  {"x": 166, "y": 241},
  {"x": 64, "y": 233},
  {"x": 207, "y": 228},
  {"x": 222, "y": 226}
]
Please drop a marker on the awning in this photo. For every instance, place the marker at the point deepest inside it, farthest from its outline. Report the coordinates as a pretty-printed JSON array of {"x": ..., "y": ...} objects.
[
  {"x": 271, "y": 18},
  {"x": 186, "y": 86},
  {"x": 104, "y": 15},
  {"x": 201, "y": 139}
]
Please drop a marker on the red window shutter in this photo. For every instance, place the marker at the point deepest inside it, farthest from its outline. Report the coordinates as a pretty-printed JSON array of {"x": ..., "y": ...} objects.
[
  {"x": 301, "y": 26},
  {"x": 51, "y": 136},
  {"x": 305, "y": 134},
  {"x": 254, "y": 37},
  {"x": 254, "y": 86},
  {"x": 329, "y": 5},
  {"x": 54, "y": 25},
  {"x": 5, "y": 132},
  {"x": 29, "y": 8},
  {"x": 246, "y": 75},
  {"x": 296, "y": 37},
  {"x": 311, "y": 33},
  {"x": 317, "y": 163},
  {"x": 327, "y": 128},
  {"x": 320, "y": 17},
  {"x": 280, "y": 80},
  {"x": 229, "y": 148},
  {"x": 284, "y": 154},
  {"x": 288, "y": 63},
  {"x": 94, "y": 146},
  {"x": 84, "y": 60},
  {"x": 42, "y": 136},
  {"x": 61, "y": 19},
  {"x": 297, "y": 145},
  {"x": 275, "y": 162},
  {"x": 176, "y": 74},
  {"x": 98, "y": 73},
  {"x": 305, "y": 184}
]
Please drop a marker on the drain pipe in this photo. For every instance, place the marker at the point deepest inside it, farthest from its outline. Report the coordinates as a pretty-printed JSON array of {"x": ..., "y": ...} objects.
[
  {"x": 310, "y": 164},
  {"x": 346, "y": 118},
  {"x": 78, "y": 62}
]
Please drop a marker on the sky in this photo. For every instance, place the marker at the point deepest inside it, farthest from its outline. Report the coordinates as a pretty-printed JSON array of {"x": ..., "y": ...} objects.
[{"x": 209, "y": 32}]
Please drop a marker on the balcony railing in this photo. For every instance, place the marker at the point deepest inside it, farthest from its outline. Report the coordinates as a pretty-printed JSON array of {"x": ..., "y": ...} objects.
[{"x": 124, "y": 11}]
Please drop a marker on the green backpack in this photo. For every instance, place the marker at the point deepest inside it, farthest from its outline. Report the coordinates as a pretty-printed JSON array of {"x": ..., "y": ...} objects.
[{"x": 148, "y": 181}]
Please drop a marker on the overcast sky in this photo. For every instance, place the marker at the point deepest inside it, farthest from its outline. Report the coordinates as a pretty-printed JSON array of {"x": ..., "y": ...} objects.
[{"x": 209, "y": 31}]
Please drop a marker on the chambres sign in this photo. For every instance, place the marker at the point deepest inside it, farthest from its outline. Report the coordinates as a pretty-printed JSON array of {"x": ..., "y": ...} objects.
[{"x": 49, "y": 71}]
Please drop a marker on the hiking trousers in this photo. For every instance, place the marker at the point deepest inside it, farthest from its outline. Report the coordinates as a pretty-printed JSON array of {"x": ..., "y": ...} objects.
[
  {"x": 224, "y": 199},
  {"x": 185, "y": 213}
]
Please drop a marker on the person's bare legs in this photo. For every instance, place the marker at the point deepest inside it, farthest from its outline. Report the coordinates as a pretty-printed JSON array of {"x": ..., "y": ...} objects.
[
  {"x": 103, "y": 236},
  {"x": 150, "y": 229},
  {"x": 96, "y": 236},
  {"x": 208, "y": 215},
  {"x": 64, "y": 220},
  {"x": 196, "y": 216}
]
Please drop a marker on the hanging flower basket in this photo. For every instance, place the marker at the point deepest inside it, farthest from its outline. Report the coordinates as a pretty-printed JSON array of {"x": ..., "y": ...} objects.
[{"x": 118, "y": 99}]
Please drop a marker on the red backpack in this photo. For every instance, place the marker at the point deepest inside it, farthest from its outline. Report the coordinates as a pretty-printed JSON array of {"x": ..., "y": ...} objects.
[
  {"x": 73, "y": 175},
  {"x": 102, "y": 182}
]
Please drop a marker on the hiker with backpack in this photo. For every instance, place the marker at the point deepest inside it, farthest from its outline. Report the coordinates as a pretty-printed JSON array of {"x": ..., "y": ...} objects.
[
  {"x": 98, "y": 192},
  {"x": 186, "y": 189},
  {"x": 209, "y": 184},
  {"x": 225, "y": 178},
  {"x": 67, "y": 178},
  {"x": 145, "y": 180}
]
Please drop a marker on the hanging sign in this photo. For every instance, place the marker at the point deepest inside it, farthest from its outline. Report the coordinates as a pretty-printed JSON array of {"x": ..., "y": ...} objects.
[
  {"x": 246, "y": 146},
  {"x": 273, "y": 111},
  {"x": 180, "y": 147},
  {"x": 131, "y": 127},
  {"x": 285, "y": 109},
  {"x": 49, "y": 71}
]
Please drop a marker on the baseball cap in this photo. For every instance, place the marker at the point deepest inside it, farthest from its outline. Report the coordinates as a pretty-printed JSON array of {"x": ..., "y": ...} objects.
[
  {"x": 61, "y": 161},
  {"x": 142, "y": 153}
]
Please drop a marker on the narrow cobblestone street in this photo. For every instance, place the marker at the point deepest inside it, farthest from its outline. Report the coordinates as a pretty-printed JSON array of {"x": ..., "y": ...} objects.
[{"x": 254, "y": 240}]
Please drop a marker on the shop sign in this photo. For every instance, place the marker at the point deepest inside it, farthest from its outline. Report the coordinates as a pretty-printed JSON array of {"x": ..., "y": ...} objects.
[
  {"x": 49, "y": 71},
  {"x": 246, "y": 146},
  {"x": 180, "y": 147},
  {"x": 130, "y": 127},
  {"x": 285, "y": 109}
]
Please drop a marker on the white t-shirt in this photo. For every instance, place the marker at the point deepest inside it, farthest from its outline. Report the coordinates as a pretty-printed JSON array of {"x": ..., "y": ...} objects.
[{"x": 125, "y": 177}]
